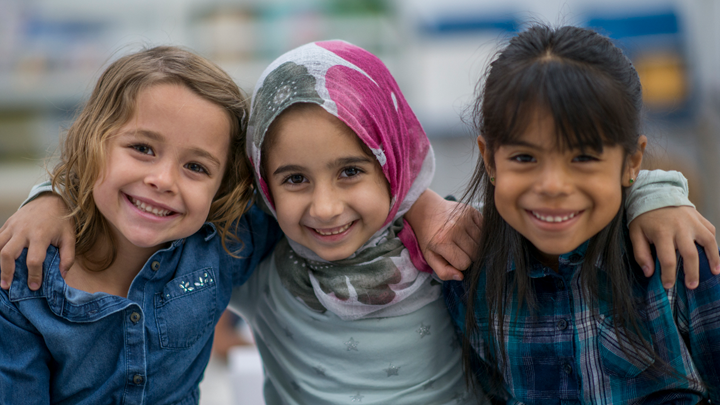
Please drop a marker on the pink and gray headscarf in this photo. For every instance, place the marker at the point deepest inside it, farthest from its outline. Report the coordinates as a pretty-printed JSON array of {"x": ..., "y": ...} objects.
[{"x": 382, "y": 277}]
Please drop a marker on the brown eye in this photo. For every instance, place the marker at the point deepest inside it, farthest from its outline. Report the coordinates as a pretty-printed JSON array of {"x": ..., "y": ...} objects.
[
  {"x": 295, "y": 179},
  {"x": 351, "y": 171},
  {"x": 196, "y": 167},
  {"x": 144, "y": 149},
  {"x": 523, "y": 158},
  {"x": 584, "y": 158}
]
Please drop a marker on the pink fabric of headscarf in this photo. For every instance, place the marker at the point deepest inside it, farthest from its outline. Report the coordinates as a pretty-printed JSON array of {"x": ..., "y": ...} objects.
[
  {"x": 388, "y": 275},
  {"x": 355, "y": 86}
]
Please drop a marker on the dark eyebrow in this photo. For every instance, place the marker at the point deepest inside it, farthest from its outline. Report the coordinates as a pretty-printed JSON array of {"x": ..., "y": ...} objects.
[
  {"x": 287, "y": 168},
  {"x": 344, "y": 161},
  {"x": 158, "y": 137},
  {"x": 353, "y": 159}
]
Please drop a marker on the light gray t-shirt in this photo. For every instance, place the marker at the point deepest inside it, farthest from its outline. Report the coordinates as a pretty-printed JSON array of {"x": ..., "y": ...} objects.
[{"x": 317, "y": 358}]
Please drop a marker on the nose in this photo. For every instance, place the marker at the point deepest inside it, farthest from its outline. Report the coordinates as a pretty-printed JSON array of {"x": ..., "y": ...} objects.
[
  {"x": 163, "y": 177},
  {"x": 554, "y": 180},
  {"x": 326, "y": 203}
]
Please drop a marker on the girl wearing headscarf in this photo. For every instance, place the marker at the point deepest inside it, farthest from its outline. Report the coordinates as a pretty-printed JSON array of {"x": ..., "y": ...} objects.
[{"x": 345, "y": 309}]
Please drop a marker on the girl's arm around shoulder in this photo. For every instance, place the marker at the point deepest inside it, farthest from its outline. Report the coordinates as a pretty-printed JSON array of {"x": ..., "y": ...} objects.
[
  {"x": 447, "y": 233},
  {"x": 659, "y": 213},
  {"x": 257, "y": 233},
  {"x": 40, "y": 222},
  {"x": 24, "y": 358},
  {"x": 698, "y": 318}
]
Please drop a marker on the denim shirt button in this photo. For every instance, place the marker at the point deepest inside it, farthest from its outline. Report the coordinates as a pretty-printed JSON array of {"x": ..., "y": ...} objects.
[
  {"x": 135, "y": 317},
  {"x": 559, "y": 284},
  {"x": 567, "y": 368},
  {"x": 562, "y": 324},
  {"x": 155, "y": 266},
  {"x": 137, "y": 379}
]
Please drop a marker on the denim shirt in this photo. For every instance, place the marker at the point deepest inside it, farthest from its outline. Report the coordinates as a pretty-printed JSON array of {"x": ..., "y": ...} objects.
[
  {"x": 562, "y": 354},
  {"x": 61, "y": 345}
]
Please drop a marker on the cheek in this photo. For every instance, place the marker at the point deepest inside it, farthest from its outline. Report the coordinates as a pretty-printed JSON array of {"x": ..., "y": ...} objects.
[
  {"x": 507, "y": 192},
  {"x": 200, "y": 197},
  {"x": 288, "y": 212},
  {"x": 374, "y": 201}
]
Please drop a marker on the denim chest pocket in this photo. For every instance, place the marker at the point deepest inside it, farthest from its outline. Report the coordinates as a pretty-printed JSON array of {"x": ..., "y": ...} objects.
[
  {"x": 627, "y": 363},
  {"x": 186, "y": 308}
]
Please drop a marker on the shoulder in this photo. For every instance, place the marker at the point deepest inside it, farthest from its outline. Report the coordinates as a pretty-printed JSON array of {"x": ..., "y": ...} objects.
[
  {"x": 11, "y": 308},
  {"x": 455, "y": 296},
  {"x": 704, "y": 270},
  {"x": 19, "y": 285}
]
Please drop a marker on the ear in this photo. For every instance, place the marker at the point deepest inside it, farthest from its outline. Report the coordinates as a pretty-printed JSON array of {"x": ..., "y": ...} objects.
[
  {"x": 632, "y": 166},
  {"x": 483, "y": 152}
]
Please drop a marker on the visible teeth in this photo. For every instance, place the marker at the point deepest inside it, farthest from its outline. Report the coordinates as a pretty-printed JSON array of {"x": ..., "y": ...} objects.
[
  {"x": 551, "y": 218},
  {"x": 335, "y": 232},
  {"x": 149, "y": 208}
]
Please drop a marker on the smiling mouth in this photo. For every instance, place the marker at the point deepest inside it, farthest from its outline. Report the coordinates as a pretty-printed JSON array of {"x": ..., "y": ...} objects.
[
  {"x": 160, "y": 212},
  {"x": 554, "y": 218},
  {"x": 334, "y": 231}
]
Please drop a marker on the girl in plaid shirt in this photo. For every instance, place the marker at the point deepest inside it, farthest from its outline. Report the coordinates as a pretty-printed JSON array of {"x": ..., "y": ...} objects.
[{"x": 557, "y": 310}]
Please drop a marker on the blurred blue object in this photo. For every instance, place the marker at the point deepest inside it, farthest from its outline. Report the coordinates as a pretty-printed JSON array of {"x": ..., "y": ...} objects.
[
  {"x": 470, "y": 23},
  {"x": 656, "y": 44}
]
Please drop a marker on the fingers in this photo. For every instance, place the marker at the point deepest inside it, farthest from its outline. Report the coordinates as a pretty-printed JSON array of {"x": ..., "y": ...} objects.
[
  {"x": 474, "y": 232},
  {"x": 448, "y": 253},
  {"x": 710, "y": 227},
  {"x": 461, "y": 238},
  {"x": 691, "y": 262},
  {"x": 665, "y": 249},
  {"x": 709, "y": 243},
  {"x": 461, "y": 254},
  {"x": 34, "y": 261},
  {"x": 442, "y": 268},
  {"x": 641, "y": 249},
  {"x": 477, "y": 220},
  {"x": 67, "y": 255},
  {"x": 8, "y": 254}
]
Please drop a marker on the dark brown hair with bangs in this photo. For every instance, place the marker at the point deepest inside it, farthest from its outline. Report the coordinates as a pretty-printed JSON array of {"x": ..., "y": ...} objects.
[{"x": 593, "y": 93}]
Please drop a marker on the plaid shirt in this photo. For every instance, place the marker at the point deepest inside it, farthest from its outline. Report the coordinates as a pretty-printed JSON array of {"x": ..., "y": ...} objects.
[{"x": 562, "y": 354}]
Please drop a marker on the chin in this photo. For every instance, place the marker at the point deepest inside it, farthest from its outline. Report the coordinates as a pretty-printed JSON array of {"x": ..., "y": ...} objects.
[
  {"x": 332, "y": 255},
  {"x": 556, "y": 248}
]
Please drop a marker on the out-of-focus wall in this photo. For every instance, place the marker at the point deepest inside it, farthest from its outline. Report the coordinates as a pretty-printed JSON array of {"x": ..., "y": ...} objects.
[{"x": 54, "y": 50}]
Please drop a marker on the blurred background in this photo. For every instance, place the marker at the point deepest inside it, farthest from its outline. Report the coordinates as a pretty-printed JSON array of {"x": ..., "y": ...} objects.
[{"x": 53, "y": 51}]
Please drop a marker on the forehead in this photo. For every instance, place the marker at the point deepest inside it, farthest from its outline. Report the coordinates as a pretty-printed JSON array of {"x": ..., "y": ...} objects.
[
  {"x": 175, "y": 114},
  {"x": 307, "y": 123}
]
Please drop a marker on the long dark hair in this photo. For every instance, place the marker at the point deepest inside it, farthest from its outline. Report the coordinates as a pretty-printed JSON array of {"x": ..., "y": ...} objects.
[{"x": 593, "y": 93}]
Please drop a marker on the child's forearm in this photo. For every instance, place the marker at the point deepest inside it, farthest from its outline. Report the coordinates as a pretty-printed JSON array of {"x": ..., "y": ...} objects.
[{"x": 656, "y": 189}]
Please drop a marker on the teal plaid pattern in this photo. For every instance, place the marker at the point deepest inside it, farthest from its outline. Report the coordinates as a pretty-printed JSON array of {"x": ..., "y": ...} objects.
[{"x": 561, "y": 354}]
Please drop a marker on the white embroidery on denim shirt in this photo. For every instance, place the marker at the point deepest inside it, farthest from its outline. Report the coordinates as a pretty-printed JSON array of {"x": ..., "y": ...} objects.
[{"x": 202, "y": 281}]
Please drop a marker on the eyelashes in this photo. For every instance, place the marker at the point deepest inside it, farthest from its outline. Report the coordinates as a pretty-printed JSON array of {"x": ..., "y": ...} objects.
[
  {"x": 348, "y": 172},
  {"x": 147, "y": 150}
]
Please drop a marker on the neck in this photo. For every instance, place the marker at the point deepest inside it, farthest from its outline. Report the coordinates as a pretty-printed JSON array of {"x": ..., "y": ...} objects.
[
  {"x": 549, "y": 260},
  {"x": 118, "y": 276}
]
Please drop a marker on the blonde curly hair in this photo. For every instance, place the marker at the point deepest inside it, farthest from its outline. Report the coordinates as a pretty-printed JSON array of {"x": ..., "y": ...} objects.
[{"x": 112, "y": 104}]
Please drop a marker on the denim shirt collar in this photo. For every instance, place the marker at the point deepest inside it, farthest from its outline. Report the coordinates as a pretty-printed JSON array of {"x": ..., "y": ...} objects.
[{"x": 77, "y": 305}]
